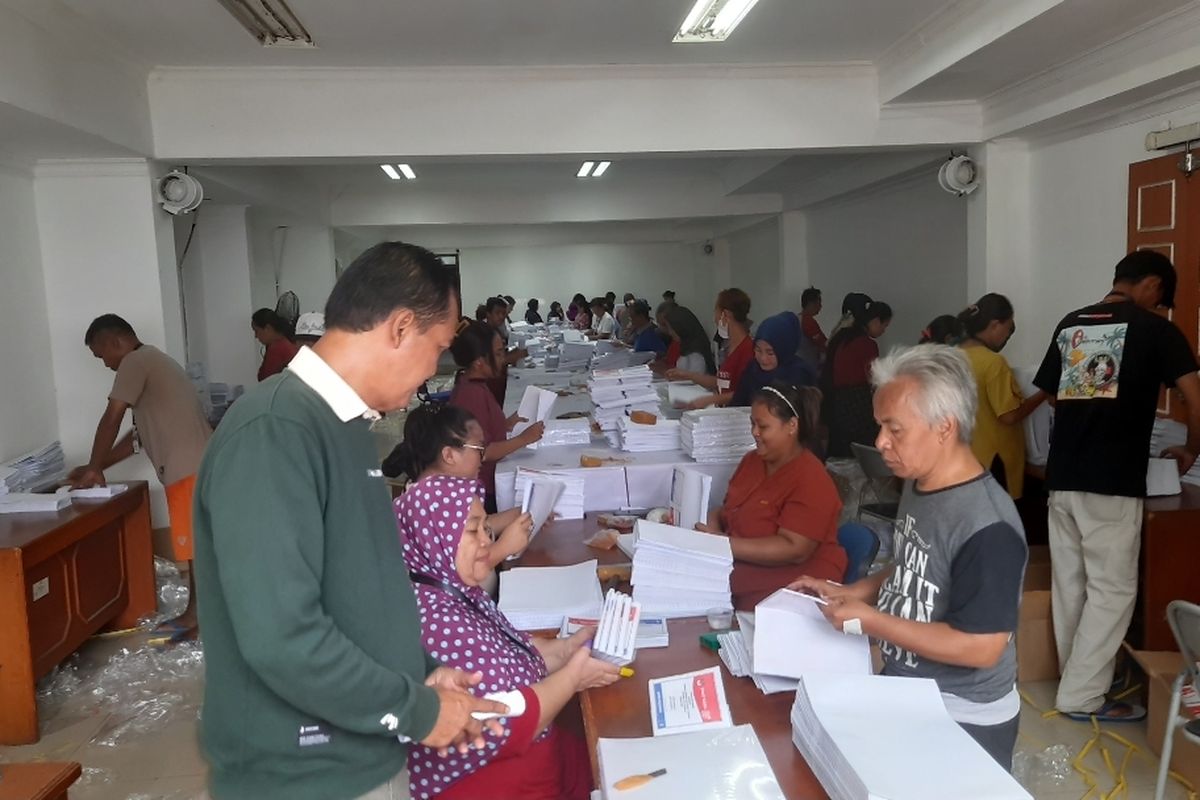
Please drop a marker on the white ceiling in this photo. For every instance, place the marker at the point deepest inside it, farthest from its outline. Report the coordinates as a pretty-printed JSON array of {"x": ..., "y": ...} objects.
[{"x": 505, "y": 32}]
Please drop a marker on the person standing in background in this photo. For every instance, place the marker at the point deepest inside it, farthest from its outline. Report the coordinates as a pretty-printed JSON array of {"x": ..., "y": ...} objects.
[
  {"x": 273, "y": 332},
  {"x": 945, "y": 329},
  {"x": 812, "y": 338},
  {"x": 846, "y": 380},
  {"x": 1103, "y": 371},
  {"x": 310, "y": 328},
  {"x": 695, "y": 352},
  {"x": 168, "y": 423},
  {"x": 999, "y": 438}
]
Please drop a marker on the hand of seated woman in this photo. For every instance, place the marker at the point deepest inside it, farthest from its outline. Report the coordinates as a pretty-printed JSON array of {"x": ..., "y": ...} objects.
[
  {"x": 591, "y": 673},
  {"x": 515, "y": 536},
  {"x": 704, "y": 527}
]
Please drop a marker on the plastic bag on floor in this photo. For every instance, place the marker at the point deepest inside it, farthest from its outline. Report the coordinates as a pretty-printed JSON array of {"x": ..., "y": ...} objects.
[
  {"x": 1044, "y": 768},
  {"x": 172, "y": 589}
]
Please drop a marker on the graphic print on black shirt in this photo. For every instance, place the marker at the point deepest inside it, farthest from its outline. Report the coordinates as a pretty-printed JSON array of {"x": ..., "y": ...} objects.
[{"x": 1092, "y": 367}]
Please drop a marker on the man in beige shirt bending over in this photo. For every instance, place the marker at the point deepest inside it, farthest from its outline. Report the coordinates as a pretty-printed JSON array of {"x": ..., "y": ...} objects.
[{"x": 168, "y": 423}]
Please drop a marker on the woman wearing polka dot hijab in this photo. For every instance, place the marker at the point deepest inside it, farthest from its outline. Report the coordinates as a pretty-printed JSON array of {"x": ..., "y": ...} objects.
[{"x": 448, "y": 553}]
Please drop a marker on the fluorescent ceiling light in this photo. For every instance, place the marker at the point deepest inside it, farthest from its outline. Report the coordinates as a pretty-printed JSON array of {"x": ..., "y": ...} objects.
[
  {"x": 601, "y": 168},
  {"x": 585, "y": 169},
  {"x": 271, "y": 22},
  {"x": 391, "y": 171},
  {"x": 713, "y": 20},
  {"x": 408, "y": 171}
]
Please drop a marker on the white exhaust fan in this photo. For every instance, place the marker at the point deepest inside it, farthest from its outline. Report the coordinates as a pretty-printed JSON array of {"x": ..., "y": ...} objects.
[
  {"x": 959, "y": 176},
  {"x": 271, "y": 22},
  {"x": 179, "y": 193}
]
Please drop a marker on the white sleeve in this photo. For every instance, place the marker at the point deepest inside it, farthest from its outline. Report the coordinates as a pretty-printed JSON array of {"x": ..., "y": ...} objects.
[{"x": 606, "y": 325}]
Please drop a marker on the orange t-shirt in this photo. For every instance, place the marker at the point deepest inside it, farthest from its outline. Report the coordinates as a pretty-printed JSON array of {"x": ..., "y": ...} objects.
[{"x": 800, "y": 497}]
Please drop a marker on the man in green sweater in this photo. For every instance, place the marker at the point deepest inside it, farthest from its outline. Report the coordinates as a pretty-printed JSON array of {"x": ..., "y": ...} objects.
[{"x": 315, "y": 674}]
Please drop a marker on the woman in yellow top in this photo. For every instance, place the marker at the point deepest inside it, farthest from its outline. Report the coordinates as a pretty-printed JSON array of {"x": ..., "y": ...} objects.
[{"x": 999, "y": 440}]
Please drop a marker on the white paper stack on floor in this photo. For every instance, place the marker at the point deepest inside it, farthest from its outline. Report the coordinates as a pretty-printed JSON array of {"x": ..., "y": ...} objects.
[
  {"x": 713, "y": 435},
  {"x": 37, "y": 470},
  {"x": 562, "y": 432},
  {"x": 569, "y": 504},
  {"x": 29, "y": 502},
  {"x": 1169, "y": 433},
  {"x": 727, "y": 764},
  {"x": 638, "y": 437},
  {"x": 875, "y": 736},
  {"x": 535, "y": 598},
  {"x": 793, "y": 638},
  {"x": 680, "y": 573}
]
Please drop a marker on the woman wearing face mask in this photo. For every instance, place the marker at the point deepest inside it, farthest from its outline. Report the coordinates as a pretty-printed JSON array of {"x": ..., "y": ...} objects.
[
  {"x": 999, "y": 440},
  {"x": 447, "y": 550},
  {"x": 781, "y": 509},
  {"x": 732, "y": 315},
  {"x": 846, "y": 380},
  {"x": 775, "y": 359}
]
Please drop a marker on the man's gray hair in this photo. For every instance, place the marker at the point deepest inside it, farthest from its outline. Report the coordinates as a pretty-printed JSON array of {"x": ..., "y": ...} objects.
[{"x": 943, "y": 373}]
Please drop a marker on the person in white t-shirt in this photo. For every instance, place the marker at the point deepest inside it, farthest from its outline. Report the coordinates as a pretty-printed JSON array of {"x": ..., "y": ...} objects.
[{"x": 603, "y": 323}]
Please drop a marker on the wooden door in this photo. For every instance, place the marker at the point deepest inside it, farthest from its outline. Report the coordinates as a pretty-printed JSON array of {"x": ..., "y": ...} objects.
[{"x": 1164, "y": 215}]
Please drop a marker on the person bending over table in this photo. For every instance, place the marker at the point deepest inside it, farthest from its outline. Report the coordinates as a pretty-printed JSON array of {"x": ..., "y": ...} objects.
[
  {"x": 442, "y": 439},
  {"x": 447, "y": 550},
  {"x": 479, "y": 352},
  {"x": 695, "y": 348},
  {"x": 948, "y": 608},
  {"x": 732, "y": 316},
  {"x": 781, "y": 509},
  {"x": 775, "y": 359}
]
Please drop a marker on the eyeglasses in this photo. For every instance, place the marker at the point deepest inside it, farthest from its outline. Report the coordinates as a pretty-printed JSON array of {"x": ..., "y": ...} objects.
[{"x": 481, "y": 448}]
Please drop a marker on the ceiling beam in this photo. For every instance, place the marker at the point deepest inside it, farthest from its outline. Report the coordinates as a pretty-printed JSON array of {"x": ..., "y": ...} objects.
[
  {"x": 953, "y": 33},
  {"x": 860, "y": 175}
]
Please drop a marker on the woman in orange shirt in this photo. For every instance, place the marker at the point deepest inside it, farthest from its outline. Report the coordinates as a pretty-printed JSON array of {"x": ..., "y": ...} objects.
[{"x": 781, "y": 509}]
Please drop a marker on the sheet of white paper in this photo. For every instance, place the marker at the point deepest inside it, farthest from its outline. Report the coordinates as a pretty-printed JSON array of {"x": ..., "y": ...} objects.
[
  {"x": 681, "y": 392},
  {"x": 605, "y": 488},
  {"x": 536, "y": 404},
  {"x": 793, "y": 638},
  {"x": 506, "y": 490},
  {"x": 690, "y": 490},
  {"x": 540, "y": 498},
  {"x": 1162, "y": 477},
  {"x": 649, "y": 485}
]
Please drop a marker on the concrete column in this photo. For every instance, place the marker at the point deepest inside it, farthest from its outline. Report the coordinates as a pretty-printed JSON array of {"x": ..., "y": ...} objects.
[
  {"x": 793, "y": 258},
  {"x": 229, "y": 351}
]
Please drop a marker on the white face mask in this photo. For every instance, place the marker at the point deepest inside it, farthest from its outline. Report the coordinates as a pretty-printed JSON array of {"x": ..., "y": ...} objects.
[{"x": 722, "y": 328}]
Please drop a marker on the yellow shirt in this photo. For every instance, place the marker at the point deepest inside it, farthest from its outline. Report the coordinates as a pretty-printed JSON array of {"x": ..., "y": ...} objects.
[{"x": 999, "y": 394}]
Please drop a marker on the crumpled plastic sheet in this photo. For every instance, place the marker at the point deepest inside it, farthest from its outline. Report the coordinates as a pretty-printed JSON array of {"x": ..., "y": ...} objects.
[
  {"x": 141, "y": 690},
  {"x": 1040, "y": 769},
  {"x": 172, "y": 594}
]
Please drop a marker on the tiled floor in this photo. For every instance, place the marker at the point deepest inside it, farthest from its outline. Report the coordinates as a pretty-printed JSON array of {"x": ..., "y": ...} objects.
[{"x": 164, "y": 762}]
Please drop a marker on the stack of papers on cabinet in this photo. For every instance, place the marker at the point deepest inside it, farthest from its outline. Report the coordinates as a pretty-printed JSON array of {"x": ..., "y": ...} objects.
[
  {"x": 98, "y": 492},
  {"x": 713, "y": 435},
  {"x": 28, "y": 502},
  {"x": 680, "y": 573},
  {"x": 727, "y": 764},
  {"x": 638, "y": 437},
  {"x": 876, "y": 736},
  {"x": 1169, "y": 433},
  {"x": 562, "y": 432},
  {"x": 536, "y": 598},
  {"x": 36, "y": 470},
  {"x": 568, "y": 505}
]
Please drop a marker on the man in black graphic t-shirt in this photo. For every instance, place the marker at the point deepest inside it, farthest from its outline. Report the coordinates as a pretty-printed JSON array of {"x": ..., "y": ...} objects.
[{"x": 1103, "y": 370}]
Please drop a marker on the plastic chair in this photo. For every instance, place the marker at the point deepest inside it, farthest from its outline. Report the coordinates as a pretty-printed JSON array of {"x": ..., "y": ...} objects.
[
  {"x": 879, "y": 477},
  {"x": 1184, "y": 618},
  {"x": 861, "y": 546}
]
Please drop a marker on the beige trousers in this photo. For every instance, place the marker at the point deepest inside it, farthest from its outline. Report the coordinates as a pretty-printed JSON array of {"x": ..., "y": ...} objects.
[{"x": 1094, "y": 543}]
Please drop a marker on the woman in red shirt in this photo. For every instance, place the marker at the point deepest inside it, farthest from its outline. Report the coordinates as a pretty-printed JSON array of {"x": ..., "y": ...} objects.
[
  {"x": 846, "y": 381},
  {"x": 781, "y": 509},
  {"x": 274, "y": 333},
  {"x": 479, "y": 352},
  {"x": 732, "y": 316}
]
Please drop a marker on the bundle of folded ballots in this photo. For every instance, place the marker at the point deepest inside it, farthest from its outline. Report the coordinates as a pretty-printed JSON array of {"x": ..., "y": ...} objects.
[
  {"x": 714, "y": 435},
  {"x": 678, "y": 572}
]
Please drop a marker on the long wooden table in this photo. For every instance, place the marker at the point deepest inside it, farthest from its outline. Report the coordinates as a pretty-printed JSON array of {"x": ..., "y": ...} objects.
[
  {"x": 623, "y": 709},
  {"x": 63, "y": 577}
]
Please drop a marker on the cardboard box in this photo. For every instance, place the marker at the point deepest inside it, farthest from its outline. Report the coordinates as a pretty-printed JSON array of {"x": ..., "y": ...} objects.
[
  {"x": 1037, "y": 655},
  {"x": 1161, "y": 668}
]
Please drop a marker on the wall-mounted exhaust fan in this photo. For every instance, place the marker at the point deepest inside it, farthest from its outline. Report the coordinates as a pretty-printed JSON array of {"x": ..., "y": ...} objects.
[
  {"x": 179, "y": 193},
  {"x": 959, "y": 175}
]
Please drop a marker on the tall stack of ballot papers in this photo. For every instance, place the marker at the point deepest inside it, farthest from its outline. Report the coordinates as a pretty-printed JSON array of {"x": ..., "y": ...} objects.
[
  {"x": 715, "y": 435},
  {"x": 562, "y": 432},
  {"x": 537, "y": 598},
  {"x": 679, "y": 572},
  {"x": 876, "y": 736},
  {"x": 574, "y": 355},
  {"x": 618, "y": 392},
  {"x": 569, "y": 502},
  {"x": 36, "y": 470},
  {"x": 641, "y": 437}
]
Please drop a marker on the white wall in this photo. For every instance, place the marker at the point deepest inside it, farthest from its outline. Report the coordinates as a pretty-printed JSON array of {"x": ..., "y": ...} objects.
[
  {"x": 754, "y": 267},
  {"x": 302, "y": 253},
  {"x": 230, "y": 353},
  {"x": 27, "y": 411},
  {"x": 905, "y": 244}
]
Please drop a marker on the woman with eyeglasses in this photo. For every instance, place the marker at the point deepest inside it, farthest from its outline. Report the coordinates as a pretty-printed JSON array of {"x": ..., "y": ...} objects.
[
  {"x": 478, "y": 351},
  {"x": 444, "y": 440}
]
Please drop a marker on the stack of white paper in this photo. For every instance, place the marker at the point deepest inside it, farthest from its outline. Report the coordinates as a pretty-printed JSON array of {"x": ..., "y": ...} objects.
[
  {"x": 562, "y": 432},
  {"x": 679, "y": 572},
  {"x": 614, "y": 388},
  {"x": 712, "y": 435},
  {"x": 737, "y": 651},
  {"x": 535, "y": 598},
  {"x": 651, "y": 631},
  {"x": 620, "y": 358},
  {"x": 1169, "y": 433},
  {"x": 574, "y": 355},
  {"x": 616, "y": 632},
  {"x": 36, "y": 470},
  {"x": 690, "y": 490},
  {"x": 568, "y": 504},
  {"x": 28, "y": 502},
  {"x": 638, "y": 437},
  {"x": 7, "y": 475},
  {"x": 608, "y": 419},
  {"x": 872, "y": 736},
  {"x": 706, "y": 765},
  {"x": 98, "y": 492},
  {"x": 683, "y": 392},
  {"x": 793, "y": 638}
]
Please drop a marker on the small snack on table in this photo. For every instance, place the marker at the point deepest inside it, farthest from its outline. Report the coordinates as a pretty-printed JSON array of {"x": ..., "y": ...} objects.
[
  {"x": 605, "y": 539},
  {"x": 643, "y": 417},
  {"x": 621, "y": 522}
]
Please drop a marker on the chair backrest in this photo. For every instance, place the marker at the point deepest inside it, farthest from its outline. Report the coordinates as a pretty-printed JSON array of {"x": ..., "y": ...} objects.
[
  {"x": 1184, "y": 618},
  {"x": 871, "y": 461},
  {"x": 861, "y": 546}
]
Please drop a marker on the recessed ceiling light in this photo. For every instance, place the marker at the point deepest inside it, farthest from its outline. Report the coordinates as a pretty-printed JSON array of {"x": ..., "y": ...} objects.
[
  {"x": 408, "y": 171},
  {"x": 391, "y": 171},
  {"x": 713, "y": 20},
  {"x": 601, "y": 168},
  {"x": 585, "y": 170}
]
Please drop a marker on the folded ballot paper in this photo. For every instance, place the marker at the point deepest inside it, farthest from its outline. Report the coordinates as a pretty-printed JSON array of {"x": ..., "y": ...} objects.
[
  {"x": 690, "y": 490},
  {"x": 639, "y": 437},
  {"x": 651, "y": 631},
  {"x": 617, "y": 629},
  {"x": 539, "y": 499},
  {"x": 792, "y": 638},
  {"x": 536, "y": 405},
  {"x": 679, "y": 572},
  {"x": 693, "y": 701},
  {"x": 537, "y": 598},
  {"x": 682, "y": 392},
  {"x": 737, "y": 652},
  {"x": 714, "y": 435},
  {"x": 869, "y": 737},
  {"x": 724, "y": 764},
  {"x": 569, "y": 502},
  {"x": 31, "y": 503}
]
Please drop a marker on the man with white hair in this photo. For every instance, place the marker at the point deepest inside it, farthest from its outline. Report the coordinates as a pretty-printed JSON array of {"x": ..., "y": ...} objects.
[{"x": 947, "y": 609}]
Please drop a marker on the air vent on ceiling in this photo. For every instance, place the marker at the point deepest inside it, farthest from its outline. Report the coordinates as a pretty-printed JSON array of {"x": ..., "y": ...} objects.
[{"x": 271, "y": 22}]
